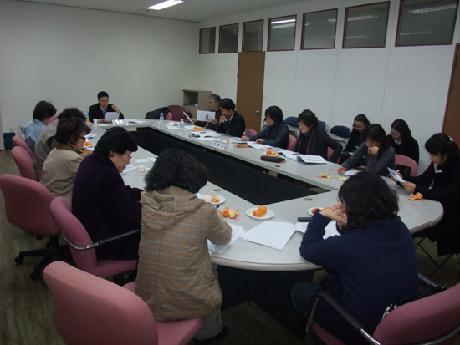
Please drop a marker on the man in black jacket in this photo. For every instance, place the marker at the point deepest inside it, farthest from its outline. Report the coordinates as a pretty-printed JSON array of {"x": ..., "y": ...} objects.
[
  {"x": 230, "y": 122},
  {"x": 98, "y": 110}
]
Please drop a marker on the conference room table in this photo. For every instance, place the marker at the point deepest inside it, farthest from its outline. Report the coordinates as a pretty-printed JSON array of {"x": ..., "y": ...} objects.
[{"x": 417, "y": 215}]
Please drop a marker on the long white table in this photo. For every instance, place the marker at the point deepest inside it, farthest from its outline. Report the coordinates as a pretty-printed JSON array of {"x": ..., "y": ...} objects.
[{"x": 417, "y": 215}]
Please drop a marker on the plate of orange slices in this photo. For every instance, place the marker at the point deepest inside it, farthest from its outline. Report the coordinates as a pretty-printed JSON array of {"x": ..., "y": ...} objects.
[
  {"x": 260, "y": 213},
  {"x": 214, "y": 199}
]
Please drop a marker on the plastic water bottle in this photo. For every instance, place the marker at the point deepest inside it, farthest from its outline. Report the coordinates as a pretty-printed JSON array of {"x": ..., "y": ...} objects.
[
  {"x": 162, "y": 117},
  {"x": 181, "y": 126}
]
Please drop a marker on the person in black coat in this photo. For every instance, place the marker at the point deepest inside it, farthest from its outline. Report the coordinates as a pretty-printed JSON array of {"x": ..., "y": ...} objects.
[
  {"x": 98, "y": 110},
  {"x": 230, "y": 122},
  {"x": 373, "y": 263},
  {"x": 276, "y": 133},
  {"x": 402, "y": 141},
  {"x": 312, "y": 140},
  {"x": 441, "y": 182},
  {"x": 360, "y": 125},
  {"x": 102, "y": 202}
]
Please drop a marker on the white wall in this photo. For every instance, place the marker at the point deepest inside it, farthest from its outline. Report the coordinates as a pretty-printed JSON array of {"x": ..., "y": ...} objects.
[
  {"x": 384, "y": 83},
  {"x": 67, "y": 55}
]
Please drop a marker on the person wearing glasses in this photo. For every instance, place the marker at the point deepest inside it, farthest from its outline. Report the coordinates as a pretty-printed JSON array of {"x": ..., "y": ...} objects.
[
  {"x": 102, "y": 202},
  {"x": 61, "y": 165}
]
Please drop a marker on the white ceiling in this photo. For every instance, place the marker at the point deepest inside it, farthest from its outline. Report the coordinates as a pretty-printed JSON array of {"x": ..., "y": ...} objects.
[{"x": 190, "y": 10}]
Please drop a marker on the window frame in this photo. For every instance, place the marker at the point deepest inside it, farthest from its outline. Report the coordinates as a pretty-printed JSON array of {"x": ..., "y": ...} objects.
[
  {"x": 398, "y": 28},
  {"x": 388, "y": 3},
  {"x": 270, "y": 33},
  {"x": 201, "y": 38},
  {"x": 250, "y": 22},
  {"x": 237, "y": 38},
  {"x": 303, "y": 27}
]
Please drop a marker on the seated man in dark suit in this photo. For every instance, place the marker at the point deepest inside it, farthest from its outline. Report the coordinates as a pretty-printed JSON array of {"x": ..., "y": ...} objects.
[
  {"x": 98, "y": 110},
  {"x": 230, "y": 122}
]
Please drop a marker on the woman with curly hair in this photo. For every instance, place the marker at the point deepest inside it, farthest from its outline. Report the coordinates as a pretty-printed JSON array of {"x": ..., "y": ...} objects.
[{"x": 373, "y": 263}]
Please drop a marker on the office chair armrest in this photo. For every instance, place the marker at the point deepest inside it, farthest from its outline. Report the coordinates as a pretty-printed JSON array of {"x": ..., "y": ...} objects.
[
  {"x": 101, "y": 242},
  {"x": 347, "y": 316}
]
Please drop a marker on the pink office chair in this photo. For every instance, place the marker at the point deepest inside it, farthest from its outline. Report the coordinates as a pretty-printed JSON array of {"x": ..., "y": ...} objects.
[
  {"x": 177, "y": 112},
  {"x": 82, "y": 247},
  {"x": 292, "y": 142},
  {"x": 27, "y": 205},
  {"x": 24, "y": 163},
  {"x": 434, "y": 320},
  {"x": 250, "y": 132},
  {"x": 408, "y": 162},
  {"x": 93, "y": 311},
  {"x": 19, "y": 141}
]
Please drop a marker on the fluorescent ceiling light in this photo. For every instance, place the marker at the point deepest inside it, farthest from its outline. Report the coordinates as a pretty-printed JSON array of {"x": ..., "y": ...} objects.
[
  {"x": 165, "y": 4},
  {"x": 284, "y": 21}
]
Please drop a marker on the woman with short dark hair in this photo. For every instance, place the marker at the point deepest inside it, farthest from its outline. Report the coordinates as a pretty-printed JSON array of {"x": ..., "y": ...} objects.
[
  {"x": 402, "y": 141},
  {"x": 373, "y": 262},
  {"x": 61, "y": 165},
  {"x": 374, "y": 155},
  {"x": 441, "y": 182},
  {"x": 314, "y": 141},
  {"x": 276, "y": 133},
  {"x": 102, "y": 202},
  {"x": 175, "y": 275}
]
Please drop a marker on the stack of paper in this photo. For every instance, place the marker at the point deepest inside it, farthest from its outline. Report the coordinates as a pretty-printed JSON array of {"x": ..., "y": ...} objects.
[
  {"x": 237, "y": 232},
  {"x": 330, "y": 230},
  {"x": 352, "y": 172},
  {"x": 270, "y": 234},
  {"x": 311, "y": 159}
]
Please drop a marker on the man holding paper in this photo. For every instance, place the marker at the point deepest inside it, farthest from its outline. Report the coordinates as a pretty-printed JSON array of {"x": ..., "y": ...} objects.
[{"x": 99, "y": 110}]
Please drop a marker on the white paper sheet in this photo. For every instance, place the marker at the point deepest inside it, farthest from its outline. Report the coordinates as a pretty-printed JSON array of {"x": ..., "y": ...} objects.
[
  {"x": 287, "y": 152},
  {"x": 237, "y": 232},
  {"x": 203, "y": 115},
  {"x": 111, "y": 115},
  {"x": 330, "y": 230},
  {"x": 270, "y": 234},
  {"x": 206, "y": 139},
  {"x": 134, "y": 121},
  {"x": 209, "y": 133},
  {"x": 129, "y": 168},
  {"x": 313, "y": 159},
  {"x": 352, "y": 172},
  {"x": 145, "y": 160},
  {"x": 394, "y": 174}
]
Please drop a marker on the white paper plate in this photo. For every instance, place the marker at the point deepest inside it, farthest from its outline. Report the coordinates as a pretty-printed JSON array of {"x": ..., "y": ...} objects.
[
  {"x": 267, "y": 215},
  {"x": 310, "y": 210},
  {"x": 208, "y": 197}
]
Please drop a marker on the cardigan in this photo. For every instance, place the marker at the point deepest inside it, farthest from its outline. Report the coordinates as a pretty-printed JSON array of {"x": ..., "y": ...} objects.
[
  {"x": 276, "y": 135},
  {"x": 106, "y": 207},
  {"x": 59, "y": 170},
  {"x": 443, "y": 185},
  {"x": 43, "y": 146},
  {"x": 374, "y": 267},
  {"x": 354, "y": 141},
  {"x": 235, "y": 127},
  {"x": 317, "y": 142},
  {"x": 174, "y": 274},
  {"x": 374, "y": 163}
]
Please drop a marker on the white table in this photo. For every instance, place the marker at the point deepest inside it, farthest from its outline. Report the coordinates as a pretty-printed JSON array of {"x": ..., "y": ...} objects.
[{"x": 416, "y": 215}]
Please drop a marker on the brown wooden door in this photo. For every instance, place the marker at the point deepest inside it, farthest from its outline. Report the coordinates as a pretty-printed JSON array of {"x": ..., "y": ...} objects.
[
  {"x": 250, "y": 87},
  {"x": 451, "y": 124}
]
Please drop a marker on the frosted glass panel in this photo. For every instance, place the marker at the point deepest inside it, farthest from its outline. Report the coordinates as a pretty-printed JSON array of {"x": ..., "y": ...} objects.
[
  {"x": 208, "y": 41},
  {"x": 228, "y": 38},
  {"x": 366, "y": 26},
  {"x": 282, "y": 33},
  {"x": 253, "y": 35},
  {"x": 426, "y": 22},
  {"x": 319, "y": 29}
]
